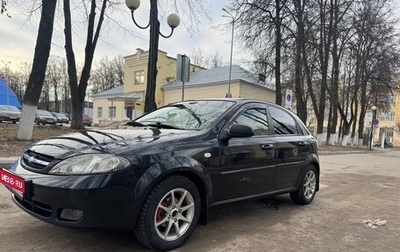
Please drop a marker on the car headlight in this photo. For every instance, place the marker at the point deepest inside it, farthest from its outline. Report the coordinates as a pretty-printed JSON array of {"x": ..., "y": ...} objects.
[{"x": 89, "y": 164}]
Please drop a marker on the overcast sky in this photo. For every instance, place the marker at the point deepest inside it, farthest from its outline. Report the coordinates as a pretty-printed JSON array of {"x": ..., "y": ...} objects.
[{"x": 18, "y": 35}]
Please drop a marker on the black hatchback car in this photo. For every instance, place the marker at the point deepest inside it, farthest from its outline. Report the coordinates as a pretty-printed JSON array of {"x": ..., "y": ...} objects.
[{"x": 160, "y": 174}]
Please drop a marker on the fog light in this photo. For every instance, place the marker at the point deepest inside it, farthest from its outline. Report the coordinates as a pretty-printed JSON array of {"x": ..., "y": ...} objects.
[{"x": 71, "y": 214}]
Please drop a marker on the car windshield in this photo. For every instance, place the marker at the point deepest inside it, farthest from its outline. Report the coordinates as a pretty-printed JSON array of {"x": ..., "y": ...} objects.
[
  {"x": 9, "y": 108},
  {"x": 59, "y": 115},
  {"x": 190, "y": 115},
  {"x": 43, "y": 113}
]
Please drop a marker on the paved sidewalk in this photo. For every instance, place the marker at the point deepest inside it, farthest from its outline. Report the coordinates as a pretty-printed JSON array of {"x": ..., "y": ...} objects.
[{"x": 6, "y": 161}]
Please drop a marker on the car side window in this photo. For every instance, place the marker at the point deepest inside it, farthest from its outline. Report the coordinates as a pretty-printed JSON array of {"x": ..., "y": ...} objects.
[
  {"x": 282, "y": 121},
  {"x": 255, "y": 118}
]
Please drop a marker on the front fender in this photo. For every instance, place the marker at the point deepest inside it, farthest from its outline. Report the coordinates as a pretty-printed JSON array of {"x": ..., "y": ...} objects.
[{"x": 158, "y": 171}]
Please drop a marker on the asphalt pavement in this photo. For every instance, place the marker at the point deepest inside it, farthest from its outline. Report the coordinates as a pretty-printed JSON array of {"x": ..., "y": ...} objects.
[{"x": 355, "y": 187}]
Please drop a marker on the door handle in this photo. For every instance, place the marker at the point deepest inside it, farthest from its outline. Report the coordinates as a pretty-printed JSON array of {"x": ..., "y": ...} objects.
[
  {"x": 267, "y": 146},
  {"x": 303, "y": 143}
]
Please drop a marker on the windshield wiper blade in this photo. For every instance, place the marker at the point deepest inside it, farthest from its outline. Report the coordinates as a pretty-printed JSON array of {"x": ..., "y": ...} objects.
[
  {"x": 161, "y": 125},
  {"x": 135, "y": 124}
]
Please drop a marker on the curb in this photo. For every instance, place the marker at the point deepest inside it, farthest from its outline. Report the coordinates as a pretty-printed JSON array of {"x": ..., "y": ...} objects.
[{"x": 8, "y": 160}]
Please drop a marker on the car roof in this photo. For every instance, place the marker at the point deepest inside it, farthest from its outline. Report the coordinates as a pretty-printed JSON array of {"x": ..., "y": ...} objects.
[{"x": 237, "y": 100}]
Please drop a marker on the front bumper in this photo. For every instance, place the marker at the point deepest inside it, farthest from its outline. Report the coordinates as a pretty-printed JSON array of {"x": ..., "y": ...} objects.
[{"x": 102, "y": 200}]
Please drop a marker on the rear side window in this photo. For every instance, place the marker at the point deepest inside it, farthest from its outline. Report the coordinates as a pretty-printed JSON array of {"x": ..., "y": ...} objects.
[{"x": 282, "y": 121}]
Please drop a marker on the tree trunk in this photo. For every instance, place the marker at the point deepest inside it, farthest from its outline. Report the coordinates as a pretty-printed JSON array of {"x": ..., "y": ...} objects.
[
  {"x": 278, "y": 33},
  {"x": 300, "y": 40},
  {"x": 36, "y": 78},
  {"x": 78, "y": 92}
]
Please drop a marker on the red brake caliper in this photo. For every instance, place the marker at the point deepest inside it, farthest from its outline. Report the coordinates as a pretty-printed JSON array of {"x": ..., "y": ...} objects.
[{"x": 160, "y": 212}]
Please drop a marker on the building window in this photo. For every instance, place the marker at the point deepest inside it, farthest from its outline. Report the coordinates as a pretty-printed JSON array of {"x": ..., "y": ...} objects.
[
  {"x": 99, "y": 112},
  {"x": 388, "y": 117},
  {"x": 112, "y": 111},
  {"x": 139, "y": 77},
  {"x": 389, "y": 132}
]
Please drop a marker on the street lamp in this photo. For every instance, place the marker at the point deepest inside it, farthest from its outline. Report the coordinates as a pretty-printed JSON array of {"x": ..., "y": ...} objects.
[
  {"x": 373, "y": 108},
  {"x": 229, "y": 94},
  {"x": 7, "y": 80},
  {"x": 154, "y": 24}
]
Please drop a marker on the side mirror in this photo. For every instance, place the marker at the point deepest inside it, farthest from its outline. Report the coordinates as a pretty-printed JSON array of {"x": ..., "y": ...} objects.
[{"x": 238, "y": 130}]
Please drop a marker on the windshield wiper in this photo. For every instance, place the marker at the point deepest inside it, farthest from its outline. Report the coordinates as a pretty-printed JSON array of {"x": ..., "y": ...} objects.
[
  {"x": 190, "y": 112},
  {"x": 135, "y": 124},
  {"x": 162, "y": 125},
  {"x": 153, "y": 124}
]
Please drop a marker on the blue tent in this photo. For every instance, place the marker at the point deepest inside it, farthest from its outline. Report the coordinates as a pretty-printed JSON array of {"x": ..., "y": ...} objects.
[{"x": 7, "y": 96}]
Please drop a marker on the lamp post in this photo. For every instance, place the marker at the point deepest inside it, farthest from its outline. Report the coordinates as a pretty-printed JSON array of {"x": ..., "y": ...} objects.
[
  {"x": 154, "y": 24},
  {"x": 7, "y": 80},
  {"x": 229, "y": 94},
  {"x": 373, "y": 108}
]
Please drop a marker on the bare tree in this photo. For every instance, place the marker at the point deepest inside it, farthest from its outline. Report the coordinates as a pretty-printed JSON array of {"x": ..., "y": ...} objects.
[
  {"x": 107, "y": 74},
  {"x": 375, "y": 48},
  {"x": 197, "y": 57},
  {"x": 260, "y": 24},
  {"x": 118, "y": 63},
  {"x": 78, "y": 89},
  {"x": 189, "y": 9},
  {"x": 36, "y": 78},
  {"x": 214, "y": 60},
  {"x": 54, "y": 82},
  {"x": 3, "y": 8}
]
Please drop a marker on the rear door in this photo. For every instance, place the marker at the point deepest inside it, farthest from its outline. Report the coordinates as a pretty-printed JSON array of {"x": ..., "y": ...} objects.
[{"x": 292, "y": 148}]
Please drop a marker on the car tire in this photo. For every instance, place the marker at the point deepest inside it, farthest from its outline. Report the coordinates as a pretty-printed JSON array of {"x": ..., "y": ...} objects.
[
  {"x": 159, "y": 208},
  {"x": 307, "y": 189}
]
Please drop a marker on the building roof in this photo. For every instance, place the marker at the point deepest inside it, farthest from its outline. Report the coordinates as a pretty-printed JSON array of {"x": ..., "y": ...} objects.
[
  {"x": 215, "y": 75},
  {"x": 116, "y": 94},
  {"x": 117, "y": 91}
]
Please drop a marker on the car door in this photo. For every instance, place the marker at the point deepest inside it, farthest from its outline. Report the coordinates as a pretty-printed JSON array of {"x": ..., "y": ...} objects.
[
  {"x": 292, "y": 148},
  {"x": 245, "y": 163}
]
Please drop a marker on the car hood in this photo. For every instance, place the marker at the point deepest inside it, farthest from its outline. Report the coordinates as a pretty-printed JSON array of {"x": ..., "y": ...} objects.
[
  {"x": 106, "y": 141},
  {"x": 12, "y": 113}
]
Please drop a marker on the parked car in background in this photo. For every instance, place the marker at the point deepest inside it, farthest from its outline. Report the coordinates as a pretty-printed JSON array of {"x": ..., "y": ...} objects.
[
  {"x": 67, "y": 115},
  {"x": 159, "y": 175},
  {"x": 45, "y": 117},
  {"x": 9, "y": 113},
  {"x": 87, "y": 120},
  {"x": 61, "y": 118}
]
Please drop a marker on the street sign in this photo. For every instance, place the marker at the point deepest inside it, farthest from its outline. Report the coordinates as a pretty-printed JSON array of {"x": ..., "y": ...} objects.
[
  {"x": 182, "y": 68},
  {"x": 288, "y": 99}
]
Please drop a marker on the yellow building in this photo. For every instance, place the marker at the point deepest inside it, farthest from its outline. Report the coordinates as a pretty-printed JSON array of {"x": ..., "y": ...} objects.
[
  {"x": 389, "y": 122},
  {"x": 214, "y": 83},
  {"x": 127, "y": 102}
]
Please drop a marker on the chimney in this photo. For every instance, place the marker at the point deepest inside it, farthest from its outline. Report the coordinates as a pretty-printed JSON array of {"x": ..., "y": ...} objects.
[
  {"x": 138, "y": 53},
  {"x": 261, "y": 78}
]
